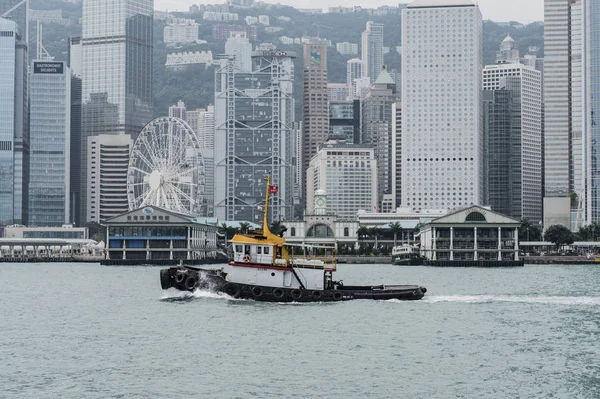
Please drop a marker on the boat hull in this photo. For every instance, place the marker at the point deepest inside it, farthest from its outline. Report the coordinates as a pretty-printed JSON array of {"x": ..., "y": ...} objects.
[
  {"x": 407, "y": 261},
  {"x": 191, "y": 279}
]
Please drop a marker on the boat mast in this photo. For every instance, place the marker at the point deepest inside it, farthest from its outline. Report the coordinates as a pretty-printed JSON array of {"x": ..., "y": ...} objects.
[{"x": 266, "y": 230}]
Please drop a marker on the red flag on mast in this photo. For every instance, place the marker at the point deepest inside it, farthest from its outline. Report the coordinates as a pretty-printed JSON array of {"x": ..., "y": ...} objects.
[{"x": 274, "y": 189}]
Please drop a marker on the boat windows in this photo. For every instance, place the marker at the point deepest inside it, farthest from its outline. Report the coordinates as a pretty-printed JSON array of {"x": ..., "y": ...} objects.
[
  {"x": 239, "y": 248},
  {"x": 267, "y": 251},
  {"x": 293, "y": 232},
  {"x": 259, "y": 250},
  {"x": 346, "y": 232}
]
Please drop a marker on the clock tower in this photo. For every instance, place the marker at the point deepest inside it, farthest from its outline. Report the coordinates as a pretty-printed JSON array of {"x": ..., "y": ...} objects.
[{"x": 320, "y": 205}]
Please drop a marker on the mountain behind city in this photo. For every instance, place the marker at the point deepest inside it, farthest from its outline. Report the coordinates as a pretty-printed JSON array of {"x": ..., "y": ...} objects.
[{"x": 194, "y": 84}]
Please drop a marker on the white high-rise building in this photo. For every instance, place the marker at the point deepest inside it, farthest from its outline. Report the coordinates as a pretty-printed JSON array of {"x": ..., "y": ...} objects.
[
  {"x": 180, "y": 33},
  {"x": 354, "y": 70},
  {"x": 442, "y": 134},
  {"x": 177, "y": 111},
  {"x": 347, "y": 48},
  {"x": 348, "y": 174},
  {"x": 107, "y": 175},
  {"x": 372, "y": 50},
  {"x": 202, "y": 121},
  {"x": 239, "y": 46}
]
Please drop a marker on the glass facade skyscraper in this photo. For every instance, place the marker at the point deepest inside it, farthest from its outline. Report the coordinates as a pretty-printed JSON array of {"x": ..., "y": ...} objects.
[
  {"x": 254, "y": 115},
  {"x": 563, "y": 120},
  {"x": 117, "y": 71},
  {"x": 372, "y": 50},
  {"x": 591, "y": 53},
  {"x": 50, "y": 131},
  {"x": 14, "y": 159}
]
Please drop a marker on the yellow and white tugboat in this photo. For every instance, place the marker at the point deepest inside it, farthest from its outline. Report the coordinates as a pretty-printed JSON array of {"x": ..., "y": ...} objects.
[{"x": 265, "y": 268}]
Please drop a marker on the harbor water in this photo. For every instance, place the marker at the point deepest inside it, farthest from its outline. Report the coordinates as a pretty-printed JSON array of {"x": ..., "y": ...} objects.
[{"x": 88, "y": 331}]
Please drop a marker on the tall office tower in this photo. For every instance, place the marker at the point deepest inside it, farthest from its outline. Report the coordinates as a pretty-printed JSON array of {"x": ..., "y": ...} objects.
[
  {"x": 117, "y": 74},
  {"x": 377, "y": 129},
  {"x": 442, "y": 133},
  {"x": 372, "y": 50},
  {"x": 49, "y": 144},
  {"x": 396, "y": 76},
  {"x": 344, "y": 121},
  {"x": 348, "y": 175},
  {"x": 354, "y": 70},
  {"x": 208, "y": 156},
  {"x": 316, "y": 104},
  {"x": 508, "y": 53},
  {"x": 397, "y": 154},
  {"x": 14, "y": 123},
  {"x": 202, "y": 121},
  {"x": 239, "y": 46},
  {"x": 591, "y": 51},
  {"x": 254, "y": 115},
  {"x": 107, "y": 175},
  {"x": 513, "y": 132},
  {"x": 76, "y": 66},
  {"x": 563, "y": 120},
  {"x": 177, "y": 111}
]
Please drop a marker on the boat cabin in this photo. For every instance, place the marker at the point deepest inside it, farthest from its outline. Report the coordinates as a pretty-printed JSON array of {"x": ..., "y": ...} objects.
[{"x": 262, "y": 254}]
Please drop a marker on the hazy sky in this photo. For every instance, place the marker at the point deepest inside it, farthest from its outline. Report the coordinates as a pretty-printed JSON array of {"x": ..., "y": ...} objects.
[{"x": 498, "y": 10}]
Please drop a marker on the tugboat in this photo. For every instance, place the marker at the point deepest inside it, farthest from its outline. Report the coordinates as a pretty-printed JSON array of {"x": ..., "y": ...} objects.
[
  {"x": 406, "y": 255},
  {"x": 266, "y": 268}
]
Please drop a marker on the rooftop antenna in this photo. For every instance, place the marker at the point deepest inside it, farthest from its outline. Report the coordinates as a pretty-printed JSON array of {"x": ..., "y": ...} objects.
[{"x": 41, "y": 52}]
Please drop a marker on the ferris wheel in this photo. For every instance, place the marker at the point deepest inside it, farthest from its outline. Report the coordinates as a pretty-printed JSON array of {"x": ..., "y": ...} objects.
[{"x": 166, "y": 168}]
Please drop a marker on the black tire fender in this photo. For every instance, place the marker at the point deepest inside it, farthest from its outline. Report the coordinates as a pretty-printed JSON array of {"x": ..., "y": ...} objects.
[
  {"x": 296, "y": 294},
  {"x": 232, "y": 289},
  {"x": 278, "y": 293},
  {"x": 337, "y": 295},
  {"x": 316, "y": 295},
  {"x": 191, "y": 283},
  {"x": 257, "y": 292},
  {"x": 180, "y": 277},
  {"x": 165, "y": 279}
]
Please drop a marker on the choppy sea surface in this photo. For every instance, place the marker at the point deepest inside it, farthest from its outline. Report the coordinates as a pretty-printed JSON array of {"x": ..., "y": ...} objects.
[{"x": 89, "y": 331}]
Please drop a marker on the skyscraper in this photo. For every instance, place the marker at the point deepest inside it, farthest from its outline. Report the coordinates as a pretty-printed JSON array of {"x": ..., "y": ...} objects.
[
  {"x": 254, "y": 115},
  {"x": 513, "y": 136},
  {"x": 354, "y": 70},
  {"x": 397, "y": 154},
  {"x": 14, "y": 127},
  {"x": 50, "y": 144},
  {"x": 372, "y": 50},
  {"x": 508, "y": 53},
  {"x": 563, "y": 123},
  {"x": 76, "y": 66},
  {"x": 348, "y": 175},
  {"x": 178, "y": 111},
  {"x": 316, "y": 104},
  {"x": 117, "y": 72},
  {"x": 377, "y": 129},
  {"x": 239, "y": 46},
  {"x": 17, "y": 11},
  {"x": 442, "y": 140},
  {"x": 591, "y": 110}
]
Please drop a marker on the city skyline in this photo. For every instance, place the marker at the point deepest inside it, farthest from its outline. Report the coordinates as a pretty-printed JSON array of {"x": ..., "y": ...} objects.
[{"x": 501, "y": 11}]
